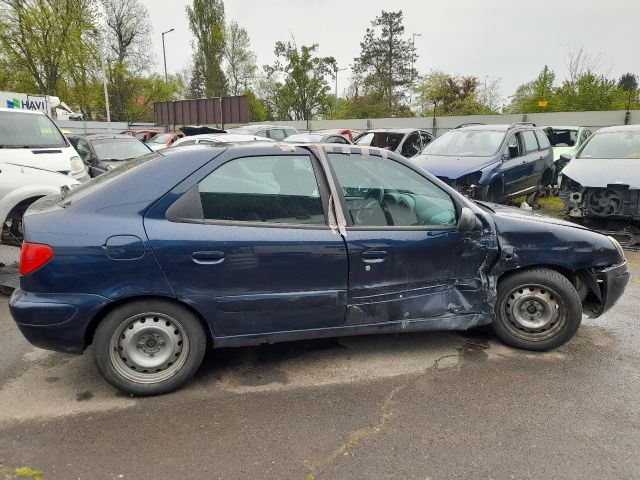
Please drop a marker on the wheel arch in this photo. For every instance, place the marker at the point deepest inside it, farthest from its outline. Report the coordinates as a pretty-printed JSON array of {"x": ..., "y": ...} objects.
[{"x": 106, "y": 309}]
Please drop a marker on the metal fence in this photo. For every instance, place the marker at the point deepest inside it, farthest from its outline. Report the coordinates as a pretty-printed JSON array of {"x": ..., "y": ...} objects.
[
  {"x": 103, "y": 127},
  {"x": 440, "y": 125},
  {"x": 202, "y": 111}
]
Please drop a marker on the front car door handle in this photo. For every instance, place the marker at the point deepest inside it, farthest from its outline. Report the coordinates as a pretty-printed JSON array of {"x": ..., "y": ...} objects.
[
  {"x": 208, "y": 257},
  {"x": 374, "y": 256}
]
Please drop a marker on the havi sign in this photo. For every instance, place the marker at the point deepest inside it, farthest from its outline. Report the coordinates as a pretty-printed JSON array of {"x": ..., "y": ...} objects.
[{"x": 28, "y": 102}]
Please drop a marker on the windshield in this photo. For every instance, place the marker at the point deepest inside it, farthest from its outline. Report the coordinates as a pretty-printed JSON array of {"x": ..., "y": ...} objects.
[
  {"x": 562, "y": 137},
  {"x": 161, "y": 138},
  {"x": 613, "y": 145},
  {"x": 388, "y": 140},
  {"x": 20, "y": 130},
  {"x": 119, "y": 148},
  {"x": 466, "y": 143}
]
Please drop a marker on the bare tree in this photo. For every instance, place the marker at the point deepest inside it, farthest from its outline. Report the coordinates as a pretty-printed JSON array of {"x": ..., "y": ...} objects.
[
  {"x": 579, "y": 63},
  {"x": 128, "y": 33},
  {"x": 240, "y": 60}
]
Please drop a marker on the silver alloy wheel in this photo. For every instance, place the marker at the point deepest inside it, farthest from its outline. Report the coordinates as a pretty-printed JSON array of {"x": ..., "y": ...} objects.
[
  {"x": 533, "y": 312},
  {"x": 149, "y": 348}
]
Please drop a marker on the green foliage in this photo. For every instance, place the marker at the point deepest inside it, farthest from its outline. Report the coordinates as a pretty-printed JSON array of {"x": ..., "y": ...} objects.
[
  {"x": 207, "y": 23},
  {"x": 386, "y": 62},
  {"x": 305, "y": 91},
  {"x": 240, "y": 60},
  {"x": 443, "y": 94},
  {"x": 257, "y": 110}
]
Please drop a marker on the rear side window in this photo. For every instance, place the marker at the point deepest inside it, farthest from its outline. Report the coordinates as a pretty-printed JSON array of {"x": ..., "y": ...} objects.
[
  {"x": 543, "y": 140},
  {"x": 530, "y": 142},
  {"x": 277, "y": 134},
  {"x": 270, "y": 189}
]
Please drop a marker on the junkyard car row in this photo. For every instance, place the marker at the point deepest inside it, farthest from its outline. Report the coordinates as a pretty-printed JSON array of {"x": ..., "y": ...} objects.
[{"x": 228, "y": 244}]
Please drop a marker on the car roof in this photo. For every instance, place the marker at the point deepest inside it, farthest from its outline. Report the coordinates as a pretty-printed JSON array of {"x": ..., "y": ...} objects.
[
  {"x": 564, "y": 127},
  {"x": 620, "y": 128},
  {"x": 101, "y": 136},
  {"x": 393, "y": 130},
  {"x": 22, "y": 110}
]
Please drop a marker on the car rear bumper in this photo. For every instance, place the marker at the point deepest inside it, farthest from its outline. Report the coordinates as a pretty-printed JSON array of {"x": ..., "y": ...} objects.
[
  {"x": 612, "y": 282},
  {"x": 55, "y": 321}
]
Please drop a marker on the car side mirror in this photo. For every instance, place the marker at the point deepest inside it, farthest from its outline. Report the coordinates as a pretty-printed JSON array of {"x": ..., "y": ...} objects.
[
  {"x": 565, "y": 157},
  {"x": 505, "y": 156},
  {"x": 468, "y": 221}
]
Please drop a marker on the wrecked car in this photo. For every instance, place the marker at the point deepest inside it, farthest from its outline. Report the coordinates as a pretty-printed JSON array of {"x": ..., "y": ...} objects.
[
  {"x": 491, "y": 162},
  {"x": 408, "y": 142},
  {"x": 232, "y": 245},
  {"x": 601, "y": 184}
]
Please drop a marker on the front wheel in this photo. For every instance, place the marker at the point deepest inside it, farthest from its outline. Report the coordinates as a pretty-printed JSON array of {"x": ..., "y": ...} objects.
[
  {"x": 537, "y": 309},
  {"x": 149, "y": 347}
]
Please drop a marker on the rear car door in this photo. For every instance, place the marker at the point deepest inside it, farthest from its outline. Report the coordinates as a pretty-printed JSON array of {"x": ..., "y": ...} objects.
[
  {"x": 534, "y": 160},
  {"x": 411, "y": 146},
  {"x": 407, "y": 259},
  {"x": 248, "y": 245}
]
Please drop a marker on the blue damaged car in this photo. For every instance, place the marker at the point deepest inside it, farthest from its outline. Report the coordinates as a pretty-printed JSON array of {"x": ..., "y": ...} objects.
[
  {"x": 228, "y": 245},
  {"x": 491, "y": 162}
]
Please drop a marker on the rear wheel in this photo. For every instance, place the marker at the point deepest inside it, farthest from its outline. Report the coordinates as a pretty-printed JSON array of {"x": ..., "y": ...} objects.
[
  {"x": 149, "y": 347},
  {"x": 537, "y": 309}
]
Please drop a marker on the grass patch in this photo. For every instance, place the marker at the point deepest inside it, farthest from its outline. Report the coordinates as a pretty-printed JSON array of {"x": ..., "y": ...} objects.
[{"x": 553, "y": 206}]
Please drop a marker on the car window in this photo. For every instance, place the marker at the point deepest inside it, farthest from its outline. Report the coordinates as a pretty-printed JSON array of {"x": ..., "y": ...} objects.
[
  {"x": 513, "y": 146},
  {"x": 530, "y": 142},
  {"x": 270, "y": 189},
  {"x": 29, "y": 130},
  {"x": 188, "y": 142},
  {"x": 426, "y": 139},
  {"x": 142, "y": 136},
  {"x": 119, "y": 148},
  {"x": 411, "y": 145},
  {"x": 383, "y": 192},
  {"x": 277, "y": 134},
  {"x": 290, "y": 131},
  {"x": 337, "y": 139},
  {"x": 83, "y": 149},
  {"x": 365, "y": 140},
  {"x": 583, "y": 136},
  {"x": 543, "y": 140}
]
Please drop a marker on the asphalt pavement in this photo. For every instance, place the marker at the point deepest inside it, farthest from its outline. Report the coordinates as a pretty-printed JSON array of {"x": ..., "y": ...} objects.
[{"x": 415, "y": 406}]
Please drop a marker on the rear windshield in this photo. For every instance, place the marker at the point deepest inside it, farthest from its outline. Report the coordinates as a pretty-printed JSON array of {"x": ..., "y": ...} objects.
[
  {"x": 466, "y": 143},
  {"x": 119, "y": 149},
  {"x": 87, "y": 188},
  {"x": 20, "y": 130},
  {"x": 161, "y": 138},
  {"x": 562, "y": 137},
  {"x": 388, "y": 140},
  {"x": 612, "y": 145}
]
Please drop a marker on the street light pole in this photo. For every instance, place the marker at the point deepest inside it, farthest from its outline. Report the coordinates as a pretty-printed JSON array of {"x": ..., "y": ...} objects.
[
  {"x": 164, "y": 53},
  {"x": 335, "y": 108},
  {"x": 413, "y": 65},
  {"x": 101, "y": 45}
]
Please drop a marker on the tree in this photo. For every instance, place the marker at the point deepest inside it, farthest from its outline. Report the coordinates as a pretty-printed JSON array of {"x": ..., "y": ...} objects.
[
  {"x": 240, "y": 60},
  {"x": 629, "y": 84},
  {"x": 386, "y": 61},
  {"x": 589, "y": 92},
  {"x": 127, "y": 36},
  {"x": 257, "y": 110},
  {"x": 447, "y": 95},
  {"x": 579, "y": 63},
  {"x": 39, "y": 37},
  {"x": 206, "y": 21},
  {"x": 528, "y": 96},
  {"x": 305, "y": 91}
]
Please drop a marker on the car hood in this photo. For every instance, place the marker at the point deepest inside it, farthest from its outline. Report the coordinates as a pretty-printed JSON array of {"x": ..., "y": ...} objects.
[
  {"x": 600, "y": 172},
  {"x": 503, "y": 212},
  {"x": 18, "y": 175},
  {"x": 450, "y": 166}
]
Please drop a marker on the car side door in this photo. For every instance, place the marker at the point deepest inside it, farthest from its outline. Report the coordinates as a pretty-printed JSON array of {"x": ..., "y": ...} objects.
[
  {"x": 513, "y": 164},
  {"x": 407, "y": 260},
  {"x": 534, "y": 160},
  {"x": 246, "y": 242},
  {"x": 411, "y": 145}
]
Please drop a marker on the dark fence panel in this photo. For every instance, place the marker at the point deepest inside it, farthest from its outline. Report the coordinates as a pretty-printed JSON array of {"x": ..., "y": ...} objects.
[{"x": 203, "y": 111}]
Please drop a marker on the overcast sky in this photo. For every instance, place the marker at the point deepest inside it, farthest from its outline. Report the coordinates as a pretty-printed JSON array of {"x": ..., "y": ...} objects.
[{"x": 507, "y": 39}]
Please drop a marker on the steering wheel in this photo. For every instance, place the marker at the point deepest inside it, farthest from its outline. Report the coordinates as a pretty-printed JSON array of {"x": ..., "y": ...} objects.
[{"x": 365, "y": 210}]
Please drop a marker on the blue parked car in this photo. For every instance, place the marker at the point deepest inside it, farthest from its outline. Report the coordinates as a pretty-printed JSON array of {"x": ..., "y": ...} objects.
[
  {"x": 230, "y": 245},
  {"x": 496, "y": 163}
]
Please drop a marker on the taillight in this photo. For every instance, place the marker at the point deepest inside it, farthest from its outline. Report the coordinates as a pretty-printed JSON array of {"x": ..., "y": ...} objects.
[{"x": 34, "y": 256}]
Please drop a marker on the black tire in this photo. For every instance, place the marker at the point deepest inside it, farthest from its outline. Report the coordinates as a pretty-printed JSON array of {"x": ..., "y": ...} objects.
[
  {"x": 537, "y": 309},
  {"x": 171, "y": 330}
]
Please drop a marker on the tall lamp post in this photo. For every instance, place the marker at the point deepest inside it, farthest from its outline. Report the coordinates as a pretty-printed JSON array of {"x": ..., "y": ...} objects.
[
  {"x": 335, "y": 109},
  {"x": 96, "y": 34},
  {"x": 164, "y": 53},
  {"x": 413, "y": 64}
]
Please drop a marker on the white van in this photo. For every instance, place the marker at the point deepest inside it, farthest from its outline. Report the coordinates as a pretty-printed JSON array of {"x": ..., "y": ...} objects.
[{"x": 30, "y": 138}]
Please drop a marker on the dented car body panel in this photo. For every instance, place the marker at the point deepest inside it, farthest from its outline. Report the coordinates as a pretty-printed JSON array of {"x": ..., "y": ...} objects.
[{"x": 252, "y": 281}]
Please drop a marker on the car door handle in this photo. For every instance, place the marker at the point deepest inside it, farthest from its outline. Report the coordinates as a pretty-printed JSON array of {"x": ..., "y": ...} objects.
[
  {"x": 208, "y": 258},
  {"x": 374, "y": 256}
]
